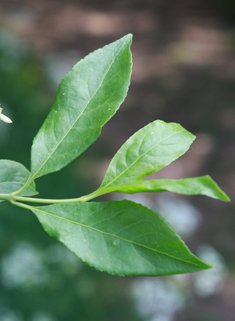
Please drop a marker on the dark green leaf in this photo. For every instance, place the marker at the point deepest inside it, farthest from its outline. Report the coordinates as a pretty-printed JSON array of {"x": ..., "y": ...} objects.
[
  {"x": 13, "y": 176},
  {"x": 120, "y": 237},
  {"x": 149, "y": 150},
  {"x": 88, "y": 96},
  {"x": 203, "y": 185}
]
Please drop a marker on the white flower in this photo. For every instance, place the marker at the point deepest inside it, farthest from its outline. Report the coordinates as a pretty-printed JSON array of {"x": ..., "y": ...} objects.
[{"x": 4, "y": 118}]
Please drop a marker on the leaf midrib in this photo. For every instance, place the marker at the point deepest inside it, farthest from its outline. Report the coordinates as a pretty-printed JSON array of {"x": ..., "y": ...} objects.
[
  {"x": 113, "y": 235},
  {"x": 17, "y": 182},
  {"x": 55, "y": 148}
]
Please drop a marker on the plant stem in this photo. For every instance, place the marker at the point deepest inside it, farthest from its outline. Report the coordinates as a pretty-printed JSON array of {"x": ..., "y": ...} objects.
[
  {"x": 14, "y": 199},
  {"x": 28, "y": 207},
  {"x": 56, "y": 201},
  {"x": 5, "y": 197}
]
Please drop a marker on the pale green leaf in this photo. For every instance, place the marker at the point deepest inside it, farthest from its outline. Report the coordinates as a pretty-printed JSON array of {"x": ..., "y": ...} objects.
[
  {"x": 13, "y": 177},
  {"x": 120, "y": 237},
  {"x": 203, "y": 185},
  {"x": 149, "y": 150},
  {"x": 87, "y": 97}
]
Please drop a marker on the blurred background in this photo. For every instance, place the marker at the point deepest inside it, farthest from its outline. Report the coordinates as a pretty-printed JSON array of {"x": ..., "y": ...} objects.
[{"x": 184, "y": 71}]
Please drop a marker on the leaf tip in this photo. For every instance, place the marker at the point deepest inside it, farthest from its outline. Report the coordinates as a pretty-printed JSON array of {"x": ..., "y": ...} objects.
[
  {"x": 218, "y": 192},
  {"x": 129, "y": 37},
  {"x": 207, "y": 266},
  {"x": 224, "y": 197}
]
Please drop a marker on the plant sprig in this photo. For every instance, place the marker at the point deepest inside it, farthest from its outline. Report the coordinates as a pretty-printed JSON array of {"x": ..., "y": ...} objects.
[{"x": 119, "y": 237}]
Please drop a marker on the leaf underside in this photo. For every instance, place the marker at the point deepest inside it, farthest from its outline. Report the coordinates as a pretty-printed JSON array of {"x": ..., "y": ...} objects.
[
  {"x": 13, "y": 177},
  {"x": 119, "y": 237},
  {"x": 203, "y": 185}
]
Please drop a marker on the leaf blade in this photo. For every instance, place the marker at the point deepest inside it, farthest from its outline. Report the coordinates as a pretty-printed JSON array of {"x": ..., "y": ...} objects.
[
  {"x": 149, "y": 150},
  {"x": 120, "y": 237},
  {"x": 88, "y": 96},
  {"x": 13, "y": 177}
]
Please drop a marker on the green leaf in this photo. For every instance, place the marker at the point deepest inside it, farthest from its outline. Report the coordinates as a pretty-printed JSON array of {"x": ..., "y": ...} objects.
[
  {"x": 87, "y": 97},
  {"x": 13, "y": 177},
  {"x": 149, "y": 150},
  {"x": 203, "y": 185},
  {"x": 119, "y": 237}
]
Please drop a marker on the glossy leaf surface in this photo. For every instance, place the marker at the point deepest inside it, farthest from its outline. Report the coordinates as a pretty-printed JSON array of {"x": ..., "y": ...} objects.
[
  {"x": 149, "y": 150},
  {"x": 13, "y": 176},
  {"x": 119, "y": 237},
  {"x": 87, "y": 97},
  {"x": 203, "y": 185}
]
